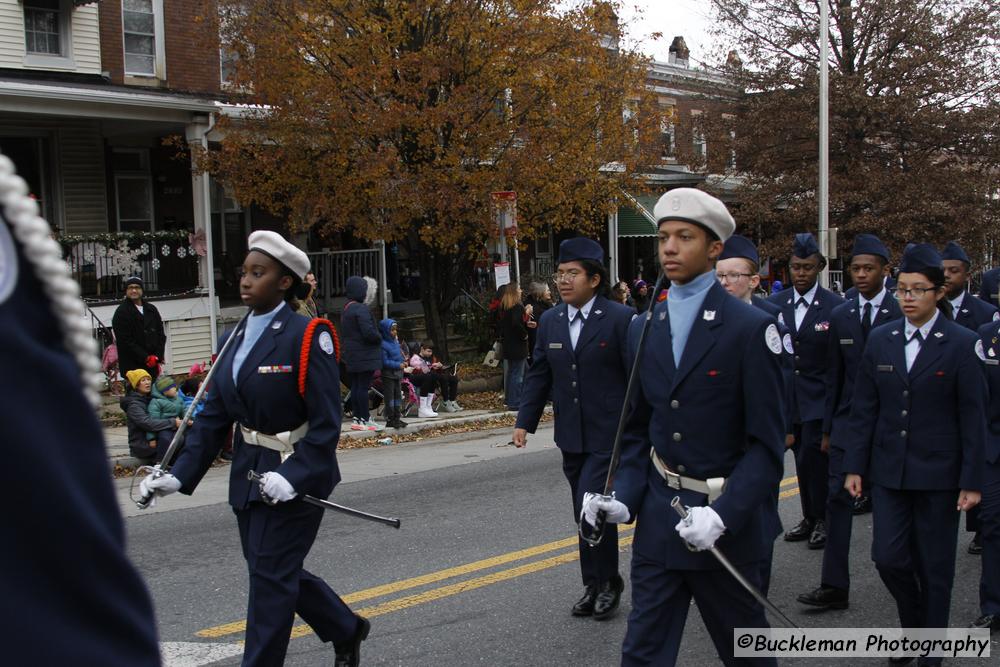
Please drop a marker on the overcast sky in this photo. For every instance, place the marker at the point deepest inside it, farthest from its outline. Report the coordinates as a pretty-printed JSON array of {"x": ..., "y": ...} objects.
[{"x": 689, "y": 18}]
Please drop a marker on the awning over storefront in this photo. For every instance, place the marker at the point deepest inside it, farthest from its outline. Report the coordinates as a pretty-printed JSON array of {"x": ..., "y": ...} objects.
[{"x": 635, "y": 218}]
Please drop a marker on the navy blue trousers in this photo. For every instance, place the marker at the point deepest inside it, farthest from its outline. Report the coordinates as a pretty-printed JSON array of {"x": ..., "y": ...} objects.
[
  {"x": 989, "y": 524},
  {"x": 914, "y": 535},
  {"x": 588, "y": 472},
  {"x": 812, "y": 468},
  {"x": 661, "y": 598},
  {"x": 275, "y": 542},
  {"x": 839, "y": 521}
]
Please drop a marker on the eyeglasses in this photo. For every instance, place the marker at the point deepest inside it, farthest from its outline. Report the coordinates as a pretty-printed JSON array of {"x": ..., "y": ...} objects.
[
  {"x": 565, "y": 276},
  {"x": 915, "y": 292},
  {"x": 732, "y": 276}
]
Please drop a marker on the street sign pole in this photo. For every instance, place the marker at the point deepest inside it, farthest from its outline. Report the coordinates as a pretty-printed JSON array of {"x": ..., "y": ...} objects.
[{"x": 824, "y": 136}]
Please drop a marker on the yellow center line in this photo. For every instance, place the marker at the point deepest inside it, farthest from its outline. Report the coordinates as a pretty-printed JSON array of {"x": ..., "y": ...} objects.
[{"x": 458, "y": 587}]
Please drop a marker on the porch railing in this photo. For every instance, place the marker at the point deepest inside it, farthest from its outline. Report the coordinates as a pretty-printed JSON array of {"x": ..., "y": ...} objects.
[
  {"x": 101, "y": 268},
  {"x": 334, "y": 267}
]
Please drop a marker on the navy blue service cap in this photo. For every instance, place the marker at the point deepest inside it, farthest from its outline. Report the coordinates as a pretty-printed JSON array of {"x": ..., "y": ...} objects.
[
  {"x": 697, "y": 207},
  {"x": 740, "y": 246},
  {"x": 869, "y": 244},
  {"x": 919, "y": 257},
  {"x": 580, "y": 248},
  {"x": 805, "y": 245},
  {"x": 954, "y": 251},
  {"x": 132, "y": 280}
]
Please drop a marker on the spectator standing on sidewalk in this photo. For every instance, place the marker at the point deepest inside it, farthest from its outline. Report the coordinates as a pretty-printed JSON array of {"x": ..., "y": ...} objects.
[
  {"x": 362, "y": 345},
  {"x": 307, "y": 304},
  {"x": 513, "y": 329},
  {"x": 393, "y": 364},
  {"x": 138, "y": 331},
  {"x": 540, "y": 299}
]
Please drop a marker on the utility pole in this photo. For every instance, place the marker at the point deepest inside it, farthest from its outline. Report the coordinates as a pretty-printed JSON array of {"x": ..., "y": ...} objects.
[{"x": 824, "y": 136}]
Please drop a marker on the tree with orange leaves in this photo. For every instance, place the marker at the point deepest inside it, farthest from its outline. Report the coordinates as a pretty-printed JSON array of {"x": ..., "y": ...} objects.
[{"x": 396, "y": 119}]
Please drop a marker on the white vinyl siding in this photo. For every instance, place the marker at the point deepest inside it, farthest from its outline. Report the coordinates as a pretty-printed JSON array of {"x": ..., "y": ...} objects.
[
  {"x": 188, "y": 341},
  {"x": 83, "y": 54}
]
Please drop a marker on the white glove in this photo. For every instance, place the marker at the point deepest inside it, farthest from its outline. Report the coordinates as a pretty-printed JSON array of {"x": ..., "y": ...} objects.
[
  {"x": 615, "y": 510},
  {"x": 702, "y": 528},
  {"x": 276, "y": 487},
  {"x": 154, "y": 486}
]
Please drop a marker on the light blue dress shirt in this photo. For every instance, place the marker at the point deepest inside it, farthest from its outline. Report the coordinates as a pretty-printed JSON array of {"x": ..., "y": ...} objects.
[
  {"x": 683, "y": 304},
  {"x": 251, "y": 334}
]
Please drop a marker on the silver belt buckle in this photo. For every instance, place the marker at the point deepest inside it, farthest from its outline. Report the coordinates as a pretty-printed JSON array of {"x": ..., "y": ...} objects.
[{"x": 673, "y": 479}]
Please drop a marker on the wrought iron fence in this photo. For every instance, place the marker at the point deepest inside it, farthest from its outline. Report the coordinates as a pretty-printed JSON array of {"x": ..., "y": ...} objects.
[{"x": 334, "y": 267}]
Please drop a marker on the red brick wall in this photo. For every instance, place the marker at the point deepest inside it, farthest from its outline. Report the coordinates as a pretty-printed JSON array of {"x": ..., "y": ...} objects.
[{"x": 191, "y": 44}]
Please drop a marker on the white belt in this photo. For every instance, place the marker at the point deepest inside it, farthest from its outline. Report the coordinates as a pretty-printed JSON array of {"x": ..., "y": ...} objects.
[
  {"x": 712, "y": 487},
  {"x": 279, "y": 442}
]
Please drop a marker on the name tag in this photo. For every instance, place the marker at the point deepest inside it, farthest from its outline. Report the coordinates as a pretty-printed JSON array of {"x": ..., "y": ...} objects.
[
  {"x": 847, "y": 341},
  {"x": 555, "y": 346},
  {"x": 885, "y": 368},
  {"x": 274, "y": 369},
  {"x": 993, "y": 362}
]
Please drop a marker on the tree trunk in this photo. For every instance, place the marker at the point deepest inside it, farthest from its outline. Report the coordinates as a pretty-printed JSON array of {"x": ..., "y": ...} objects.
[{"x": 441, "y": 277}]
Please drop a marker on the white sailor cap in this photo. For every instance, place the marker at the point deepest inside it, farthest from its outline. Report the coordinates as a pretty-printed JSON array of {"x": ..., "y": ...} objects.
[
  {"x": 697, "y": 207},
  {"x": 277, "y": 248}
]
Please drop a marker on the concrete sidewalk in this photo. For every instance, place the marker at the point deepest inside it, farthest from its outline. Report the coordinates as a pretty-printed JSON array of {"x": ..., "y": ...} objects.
[{"x": 116, "y": 437}]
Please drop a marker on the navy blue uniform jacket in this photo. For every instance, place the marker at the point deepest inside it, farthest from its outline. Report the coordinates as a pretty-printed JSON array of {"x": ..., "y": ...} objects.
[
  {"x": 715, "y": 416},
  {"x": 974, "y": 313},
  {"x": 266, "y": 399},
  {"x": 70, "y": 594},
  {"x": 922, "y": 430},
  {"x": 810, "y": 342},
  {"x": 587, "y": 384},
  {"x": 846, "y": 345},
  {"x": 787, "y": 357},
  {"x": 989, "y": 337}
]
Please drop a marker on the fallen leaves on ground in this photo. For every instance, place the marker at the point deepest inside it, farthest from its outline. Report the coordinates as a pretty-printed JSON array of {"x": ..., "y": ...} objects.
[{"x": 487, "y": 424}]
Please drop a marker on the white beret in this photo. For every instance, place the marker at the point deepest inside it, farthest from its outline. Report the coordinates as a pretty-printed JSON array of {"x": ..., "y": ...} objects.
[
  {"x": 698, "y": 207},
  {"x": 274, "y": 245}
]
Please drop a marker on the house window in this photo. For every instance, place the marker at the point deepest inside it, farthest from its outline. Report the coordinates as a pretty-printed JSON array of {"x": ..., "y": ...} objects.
[
  {"x": 139, "y": 25},
  {"x": 667, "y": 137},
  {"x": 133, "y": 190},
  {"x": 42, "y": 27}
]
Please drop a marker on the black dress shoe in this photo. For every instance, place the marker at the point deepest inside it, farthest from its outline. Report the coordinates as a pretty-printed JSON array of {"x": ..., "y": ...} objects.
[
  {"x": 862, "y": 505},
  {"x": 585, "y": 605},
  {"x": 817, "y": 539},
  {"x": 991, "y": 621},
  {"x": 976, "y": 545},
  {"x": 349, "y": 655},
  {"x": 607, "y": 600},
  {"x": 800, "y": 532},
  {"x": 826, "y": 597}
]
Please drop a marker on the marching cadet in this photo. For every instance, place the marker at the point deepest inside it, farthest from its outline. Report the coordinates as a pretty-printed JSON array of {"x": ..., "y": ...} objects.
[
  {"x": 580, "y": 358},
  {"x": 281, "y": 386},
  {"x": 989, "y": 290},
  {"x": 738, "y": 272},
  {"x": 805, "y": 310},
  {"x": 705, "y": 426},
  {"x": 70, "y": 594},
  {"x": 971, "y": 313},
  {"x": 917, "y": 428},
  {"x": 850, "y": 325},
  {"x": 988, "y": 349}
]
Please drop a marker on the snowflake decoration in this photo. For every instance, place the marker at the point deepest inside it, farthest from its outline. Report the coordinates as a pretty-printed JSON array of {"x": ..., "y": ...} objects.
[
  {"x": 182, "y": 253},
  {"x": 123, "y": 245},
  {"x": 88, "y": 255},
  {"x": 155, "y": 264},
  {"x": 165, "y": 250},
  {"x": 144, "y": 248},
  {"x": 191, "y": 250}
]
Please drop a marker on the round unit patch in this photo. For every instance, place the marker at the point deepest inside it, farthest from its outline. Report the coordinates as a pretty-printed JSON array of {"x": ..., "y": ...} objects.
[
  {"x": 787, "y": 341},
  {"x": 8, "y": 263},
  {"x": 326, "y": 342},
  {"x": 979, "y": 350},
  {"x": 773, "y": 338}
]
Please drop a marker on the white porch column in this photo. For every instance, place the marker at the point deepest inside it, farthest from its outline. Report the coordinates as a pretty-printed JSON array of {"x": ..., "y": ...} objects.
[{"x": 196, "y": 134}]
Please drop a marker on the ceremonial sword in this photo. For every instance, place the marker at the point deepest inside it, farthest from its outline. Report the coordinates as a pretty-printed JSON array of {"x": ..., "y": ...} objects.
[
  {"x": 719, "y": 556},
  {"x": 326, "y": 504},
  {"x": 163, "y": 466},
  {"x": 593, "y": 536}
]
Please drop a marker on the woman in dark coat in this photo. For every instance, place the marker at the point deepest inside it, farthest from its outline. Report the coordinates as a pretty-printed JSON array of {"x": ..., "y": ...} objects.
[
  {"x": 540, "y": 299},
  {"x": 135, "y": 404},
  {"x": 362, "y": 348},
  {"x": 138, "y": 332},
  {"x": 513, "y": 330}
]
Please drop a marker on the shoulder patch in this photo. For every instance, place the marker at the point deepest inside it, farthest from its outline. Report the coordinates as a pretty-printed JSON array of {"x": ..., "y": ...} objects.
[
  {"x": 979, "y": 350},
  {"x": 326, "y": 342},
  {"x": 773, "y": 338},
  {"x": 786, "y": 340},
  {"x": 8, "y": 263}
]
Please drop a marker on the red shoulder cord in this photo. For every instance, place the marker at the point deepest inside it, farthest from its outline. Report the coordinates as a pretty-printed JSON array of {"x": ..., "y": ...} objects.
[{"x": 307, "y": 346}]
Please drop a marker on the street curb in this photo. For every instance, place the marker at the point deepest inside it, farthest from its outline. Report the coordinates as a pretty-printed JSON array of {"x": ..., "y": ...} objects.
[{"x": 128, "y": 461}]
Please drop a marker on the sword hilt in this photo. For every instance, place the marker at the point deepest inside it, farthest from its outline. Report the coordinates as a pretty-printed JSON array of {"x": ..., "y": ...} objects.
[
  {"x": 680, "y": 508},
  {"x": 254, "y": 477},
  {"x": 593, "y": 536},
  {"x": 144, "y": 500}
]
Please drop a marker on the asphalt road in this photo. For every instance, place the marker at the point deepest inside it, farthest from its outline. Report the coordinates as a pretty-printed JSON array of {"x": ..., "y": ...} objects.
[{"x": 483, "y": 571}]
